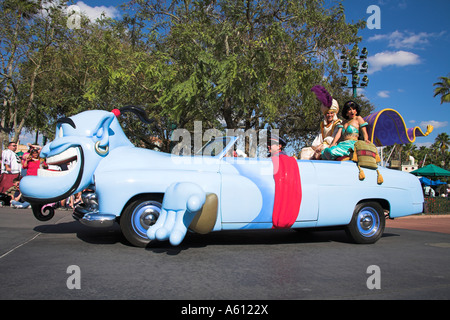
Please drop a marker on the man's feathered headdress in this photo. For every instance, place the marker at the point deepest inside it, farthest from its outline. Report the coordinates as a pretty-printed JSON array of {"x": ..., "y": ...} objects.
[{"x": 322, "y": 95}]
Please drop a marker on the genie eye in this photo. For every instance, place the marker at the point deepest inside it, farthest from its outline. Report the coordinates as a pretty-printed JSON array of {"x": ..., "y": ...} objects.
[
  {"x": 68, "y": 121},
  {"x": 59, "y": 127}
]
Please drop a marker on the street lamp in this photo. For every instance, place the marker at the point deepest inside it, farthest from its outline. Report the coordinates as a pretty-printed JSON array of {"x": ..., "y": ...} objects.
[{"x": 351, "y": 66}]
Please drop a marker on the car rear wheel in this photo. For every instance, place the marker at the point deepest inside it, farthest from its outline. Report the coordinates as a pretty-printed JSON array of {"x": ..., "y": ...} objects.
[
  {"x": 367, "y": 224},
  {"x": 138, "y": 216}
]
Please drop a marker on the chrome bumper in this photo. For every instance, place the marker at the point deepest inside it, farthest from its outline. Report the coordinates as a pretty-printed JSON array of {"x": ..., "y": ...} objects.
[
  {"x": 87, "y": 213},
  {"x": 93, "y": 219}
]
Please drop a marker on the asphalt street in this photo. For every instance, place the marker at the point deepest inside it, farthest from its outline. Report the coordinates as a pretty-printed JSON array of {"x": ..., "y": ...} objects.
[{"x": 62, "y": 259}]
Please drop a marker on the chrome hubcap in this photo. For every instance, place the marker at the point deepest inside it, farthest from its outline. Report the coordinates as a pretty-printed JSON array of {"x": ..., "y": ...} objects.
[
  {"x": 368, "y": 222},
  {"x": 149, "y": 217},
  {"x": 144, "y": 216}
]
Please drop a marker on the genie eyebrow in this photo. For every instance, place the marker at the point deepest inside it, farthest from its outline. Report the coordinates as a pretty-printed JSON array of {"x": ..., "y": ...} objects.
[{"x": 68, "y": 121}]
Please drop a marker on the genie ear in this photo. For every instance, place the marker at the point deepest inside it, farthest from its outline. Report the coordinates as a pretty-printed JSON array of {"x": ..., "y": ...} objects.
[{"x": 101, "y": 132}]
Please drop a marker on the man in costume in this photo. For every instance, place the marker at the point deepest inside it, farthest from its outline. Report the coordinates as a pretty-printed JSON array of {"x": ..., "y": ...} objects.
[
  {"x": 276, "y": 145},
  {"x": 328, "y": 127}
]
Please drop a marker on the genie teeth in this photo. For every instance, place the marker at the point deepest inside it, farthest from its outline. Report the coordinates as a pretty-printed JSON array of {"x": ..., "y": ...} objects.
[
  {"x": 64, "y": 157},
  {"x": 50, "y": 173},
  {"x": 68, "y": 157}
]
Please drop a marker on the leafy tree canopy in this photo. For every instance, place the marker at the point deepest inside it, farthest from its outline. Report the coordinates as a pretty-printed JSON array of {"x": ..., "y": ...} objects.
[{"x": 228, "y": 63}]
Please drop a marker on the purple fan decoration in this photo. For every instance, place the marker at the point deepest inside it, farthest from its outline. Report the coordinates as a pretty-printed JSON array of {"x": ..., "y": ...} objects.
[{"x": 323, "y": 95}]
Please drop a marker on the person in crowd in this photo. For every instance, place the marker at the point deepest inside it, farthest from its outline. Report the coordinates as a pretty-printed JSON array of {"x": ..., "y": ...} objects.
[
  {"x": 75, "y": 200},
  {"x": 26, "y": 154},
  {"x": 32, "y": 163},
  {"x": 16, "y": 195},
  {"x": 11, "y": 166}
]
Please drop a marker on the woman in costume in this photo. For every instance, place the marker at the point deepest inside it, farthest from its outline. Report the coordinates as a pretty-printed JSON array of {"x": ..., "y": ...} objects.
[
  {"x": 349, "y": 132},
  {"x": 328, "y": 127}
]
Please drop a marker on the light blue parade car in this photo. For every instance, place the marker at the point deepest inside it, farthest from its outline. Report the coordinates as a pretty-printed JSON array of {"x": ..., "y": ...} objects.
[{"x": 157, "y": 196}]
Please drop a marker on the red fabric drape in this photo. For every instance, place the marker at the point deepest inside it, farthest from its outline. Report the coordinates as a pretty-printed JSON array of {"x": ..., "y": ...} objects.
[{"x": 288, "y": 191}]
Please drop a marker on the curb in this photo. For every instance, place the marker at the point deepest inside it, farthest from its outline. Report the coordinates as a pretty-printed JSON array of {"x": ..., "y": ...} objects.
[{"x": 424, "y": 216}]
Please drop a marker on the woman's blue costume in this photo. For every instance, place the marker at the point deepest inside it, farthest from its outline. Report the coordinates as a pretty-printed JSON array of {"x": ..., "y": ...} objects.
[{"x": 343, "y": 148}]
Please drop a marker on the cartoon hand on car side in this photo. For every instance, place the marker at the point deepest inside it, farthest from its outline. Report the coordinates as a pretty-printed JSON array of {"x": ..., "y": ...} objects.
[{"x": 182, "y": 201}]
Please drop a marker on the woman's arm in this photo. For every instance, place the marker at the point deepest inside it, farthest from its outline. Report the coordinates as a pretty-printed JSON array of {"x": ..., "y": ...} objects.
[
  {"x": 362, "y": 125},
  {"x": 336, "y": 137}
]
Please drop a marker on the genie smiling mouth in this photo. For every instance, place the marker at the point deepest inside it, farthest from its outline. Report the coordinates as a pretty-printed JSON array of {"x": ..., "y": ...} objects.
[{"x": 57, "y": 185}]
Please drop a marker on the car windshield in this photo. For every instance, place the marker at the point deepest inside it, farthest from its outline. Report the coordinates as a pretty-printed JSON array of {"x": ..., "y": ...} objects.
[{"x": 214, "y": 146}]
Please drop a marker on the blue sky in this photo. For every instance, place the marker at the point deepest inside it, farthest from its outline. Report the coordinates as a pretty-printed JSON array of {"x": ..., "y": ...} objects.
[{"x": 407, "y": 54}]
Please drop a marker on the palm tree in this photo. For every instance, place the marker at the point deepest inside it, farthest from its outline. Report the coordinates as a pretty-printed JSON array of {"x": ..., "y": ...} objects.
[
  {"x": 421, "y": 155},
  {"x": 443, "y": 141},
  {"x": 407, "y": 150},
  {"x": 443, "y": 89},
  {"x": 441, "y": 144}
]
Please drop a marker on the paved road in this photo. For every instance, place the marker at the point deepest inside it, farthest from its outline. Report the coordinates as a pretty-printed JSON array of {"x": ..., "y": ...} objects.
[{"x": 35, "y": 260}]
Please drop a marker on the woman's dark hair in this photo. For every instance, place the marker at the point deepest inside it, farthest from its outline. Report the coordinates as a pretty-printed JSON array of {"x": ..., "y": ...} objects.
[{"x": 348, "y": 105}]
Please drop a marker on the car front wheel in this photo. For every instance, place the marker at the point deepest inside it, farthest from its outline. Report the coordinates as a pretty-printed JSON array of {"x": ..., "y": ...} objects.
[
  {"x": 367, "y": 224},
  {"x": 138, "y": 216}
]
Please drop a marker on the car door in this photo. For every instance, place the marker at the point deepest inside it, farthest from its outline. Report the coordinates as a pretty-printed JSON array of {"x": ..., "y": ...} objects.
[{"x": 248, "y": 189}]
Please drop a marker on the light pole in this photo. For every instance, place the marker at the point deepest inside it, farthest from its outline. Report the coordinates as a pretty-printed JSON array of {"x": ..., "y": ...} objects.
[{"x": 351, "y": 66}]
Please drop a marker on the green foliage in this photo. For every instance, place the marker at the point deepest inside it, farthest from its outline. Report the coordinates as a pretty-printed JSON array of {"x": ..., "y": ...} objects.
[
  {"x": 437, "y": 205},
  {"x": 228, "y": 63},
  {"x": 250, "y": 64},
  {"x": 27, "y": 39},
  {"x": 443, "y": 89}
]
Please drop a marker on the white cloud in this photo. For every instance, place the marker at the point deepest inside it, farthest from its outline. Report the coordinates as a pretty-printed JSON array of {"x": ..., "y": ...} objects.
[
  {"x": 406, "y": 40},
  {"x": 391, "y": 58},
  {"x": 93, "y": 13},
  {"x": 434, "y": 123},
  {"x": 383, "y": 94}
]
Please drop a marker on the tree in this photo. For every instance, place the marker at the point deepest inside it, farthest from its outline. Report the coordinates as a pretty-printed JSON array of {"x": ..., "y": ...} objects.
[
  {"x": 420, "y": 155},
  {"x": 228, "y": 63},
  {"x": 246, "y": 64},
  {"x": 408, "y": 150},
  {"x": 100, "y": 66},
  {"x": 13, "y": 32},
  {"x": 27, "y": 38},
  {"x": 443, "y": 140},
  {"x": 443, "y": 89}
]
